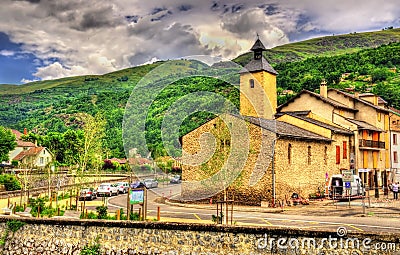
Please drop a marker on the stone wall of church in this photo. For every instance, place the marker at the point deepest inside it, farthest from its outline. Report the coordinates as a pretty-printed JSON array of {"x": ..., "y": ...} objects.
[
  {"x": 304, "y": 171},
  {"x": 251, "y": 166}
]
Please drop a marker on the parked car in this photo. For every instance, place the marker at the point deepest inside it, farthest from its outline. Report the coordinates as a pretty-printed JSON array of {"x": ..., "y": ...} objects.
[
  {"x": 107, "y": 189},
  {"x": 122, "y": 187},
  {"x": 176, "y": 179},
  {"x": 137, "y": 185},
  {"x": 150, "y": 183},
  {"x": 87, "y": 194}
]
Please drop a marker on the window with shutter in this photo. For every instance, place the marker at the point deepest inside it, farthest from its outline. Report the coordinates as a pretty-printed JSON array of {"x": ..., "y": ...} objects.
[{"x": 337, "y": 154}]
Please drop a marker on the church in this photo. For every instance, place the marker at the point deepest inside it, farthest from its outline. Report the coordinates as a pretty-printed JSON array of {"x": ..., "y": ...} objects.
[{"x": 261, "y": 154}]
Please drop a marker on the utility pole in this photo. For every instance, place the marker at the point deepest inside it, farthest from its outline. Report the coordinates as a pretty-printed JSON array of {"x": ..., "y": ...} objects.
[{"x": 273, "y": 174}]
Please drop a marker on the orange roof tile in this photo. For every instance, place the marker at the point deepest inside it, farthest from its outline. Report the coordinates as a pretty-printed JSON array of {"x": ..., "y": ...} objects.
[
  {"x": 21, "y": 143},
  {"x": 31, "y": 152},
  {"x": 16, "y": 133}
]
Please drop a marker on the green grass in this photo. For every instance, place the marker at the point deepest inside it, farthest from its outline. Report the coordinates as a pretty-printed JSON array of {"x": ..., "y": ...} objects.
[{"x": 326, "y": 46}]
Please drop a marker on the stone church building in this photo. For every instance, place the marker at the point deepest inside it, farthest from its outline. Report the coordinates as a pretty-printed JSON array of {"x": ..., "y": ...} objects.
[{"x": 263, "y": 155}]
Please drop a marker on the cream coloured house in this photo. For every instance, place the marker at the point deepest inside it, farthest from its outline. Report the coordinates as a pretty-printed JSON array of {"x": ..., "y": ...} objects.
[
  {"x": 366, "y": 116},
  {"x": 29, "y": 154}
]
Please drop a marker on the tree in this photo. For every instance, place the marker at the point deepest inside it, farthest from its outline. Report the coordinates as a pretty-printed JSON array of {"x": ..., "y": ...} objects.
[
  {"x": 94, "y": 131},
  {"x": 64, "y": 146},
  {"x": 7, "y": 143}
]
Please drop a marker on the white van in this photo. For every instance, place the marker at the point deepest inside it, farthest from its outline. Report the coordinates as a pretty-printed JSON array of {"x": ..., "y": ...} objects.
[{"x": 337, "y": 188}]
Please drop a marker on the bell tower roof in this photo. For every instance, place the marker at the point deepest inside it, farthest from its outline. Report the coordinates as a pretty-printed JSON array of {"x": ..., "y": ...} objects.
[
  {"x": 258, "y": 46},
  {"x": 258, "y": 63}
]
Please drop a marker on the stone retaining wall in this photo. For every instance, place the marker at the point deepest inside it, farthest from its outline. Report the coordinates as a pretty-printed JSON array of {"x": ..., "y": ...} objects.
[{"x": 56, "y": 236}]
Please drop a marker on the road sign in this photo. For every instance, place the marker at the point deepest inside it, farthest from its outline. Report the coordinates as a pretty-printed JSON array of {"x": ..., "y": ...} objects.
[
  {"x": 347, "y": 176},
  {"x": 136, "y": 197},
  {"x": 347, "y": 185}
]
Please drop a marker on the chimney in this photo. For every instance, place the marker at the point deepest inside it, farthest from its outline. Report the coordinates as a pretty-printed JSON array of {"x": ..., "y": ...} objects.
[
  {"x": 356, "y": 94},
  {"x": 25, "y": 131},
  {"x": 323, "y": 89}
]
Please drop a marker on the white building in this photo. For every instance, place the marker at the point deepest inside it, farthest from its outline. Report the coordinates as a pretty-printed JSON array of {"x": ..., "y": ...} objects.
[{"x": 395, "y": 144}]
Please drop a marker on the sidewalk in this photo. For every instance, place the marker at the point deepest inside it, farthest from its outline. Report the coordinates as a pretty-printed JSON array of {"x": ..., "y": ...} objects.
[{"x": 381, "y": 207}]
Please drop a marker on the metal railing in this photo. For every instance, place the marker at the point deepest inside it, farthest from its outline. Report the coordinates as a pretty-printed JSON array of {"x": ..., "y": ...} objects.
[{"x": 371, "y": 144}]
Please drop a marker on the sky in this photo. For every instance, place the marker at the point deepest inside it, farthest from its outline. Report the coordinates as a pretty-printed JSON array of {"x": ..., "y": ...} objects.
[{"x": 49, "y": 39}]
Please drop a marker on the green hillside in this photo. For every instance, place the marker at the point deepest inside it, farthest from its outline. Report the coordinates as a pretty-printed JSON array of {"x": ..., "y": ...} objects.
[
  {"x": 326, "y": 46},
  {"x": 57, "y": 105}
]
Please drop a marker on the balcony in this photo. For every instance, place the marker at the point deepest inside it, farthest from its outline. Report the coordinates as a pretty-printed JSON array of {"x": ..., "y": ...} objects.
[{"x": 368, "y": 144}]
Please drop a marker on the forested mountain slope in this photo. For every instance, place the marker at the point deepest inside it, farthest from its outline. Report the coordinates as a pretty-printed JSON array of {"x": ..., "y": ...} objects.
[{"x": 57, "y": 105}]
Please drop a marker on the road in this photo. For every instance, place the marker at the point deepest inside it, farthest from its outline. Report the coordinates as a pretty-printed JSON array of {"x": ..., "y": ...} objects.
[{"x": 310, "y": 222}]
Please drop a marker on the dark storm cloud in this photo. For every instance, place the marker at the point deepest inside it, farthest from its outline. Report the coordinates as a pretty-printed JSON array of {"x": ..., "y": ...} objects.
[
  {"x": 161, "y": 16},
  {"x": 132, "y": 18},
  {"x": 97, "y": 19},
  {"x": 77, "y": 14},
  {"x": 177, "y": 38},
  {"x": 270, "y": 9},
  {"x": 54, "y": 8},
  {"x": 184, "y": 7},
  {"x": 240, "y": 24},
  {"x": 236, "y": 7},
  {"x": 215, "y": 6},
  {"x": 157, "y": 10}
]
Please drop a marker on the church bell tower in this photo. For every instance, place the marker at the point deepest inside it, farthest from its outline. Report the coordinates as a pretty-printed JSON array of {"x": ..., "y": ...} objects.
[{"x": 258, "y": 96}]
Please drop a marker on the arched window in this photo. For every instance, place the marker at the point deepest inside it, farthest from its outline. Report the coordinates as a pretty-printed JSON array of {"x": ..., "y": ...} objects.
[
  {"x": 251, "y": 81},
  {"x": 290, "y": 153},
  {"x": 309, "y": 155}
]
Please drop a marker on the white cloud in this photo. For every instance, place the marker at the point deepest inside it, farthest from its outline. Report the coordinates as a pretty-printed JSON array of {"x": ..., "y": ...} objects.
[
  {"x": 248, "y": 23},
  {"x": 56, "y": 70},
  {"x": 7, "y": 53},
  {"x": 92, "y": 37},
  {"x": 23, "y": 80}
]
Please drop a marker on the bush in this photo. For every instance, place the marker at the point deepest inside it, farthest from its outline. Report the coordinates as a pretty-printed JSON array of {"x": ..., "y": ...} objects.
[
  {"x": 134, "y": 216},
  {"x": 90, "y": 215},
  {"x": 108, "y": 165},
  {"x": 15, "y": 225},
  {"x": 50, "y": 212},
  {"x": 101, "y": 212},
  {"x": 10, "y": 182},
  {"x": 63, "y": 195},
  {"x": 35, "y": 204},
  {"x": 380, "y": 75},
  {"x": 19, "y": 208},
  {"x": 91, "y": 249},
  {"x": 217, "y": 218},
  {"x": 123, "y": 78},
  {"x": 14, "y": 163}
]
